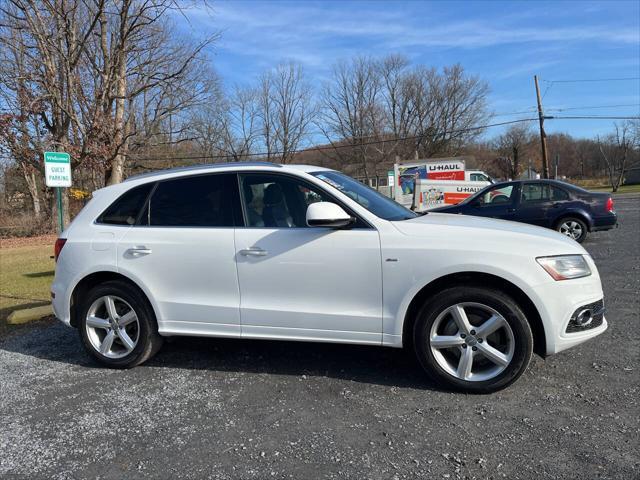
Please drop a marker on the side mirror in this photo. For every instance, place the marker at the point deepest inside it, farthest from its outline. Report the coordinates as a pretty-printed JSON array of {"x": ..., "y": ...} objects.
[{"x": 327, "y": 214}]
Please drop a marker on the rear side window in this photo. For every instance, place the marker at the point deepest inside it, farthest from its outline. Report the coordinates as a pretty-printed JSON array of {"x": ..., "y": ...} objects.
[
  {"x": 535, "y": 192},
  {"x": 198, "y": 201},
  {"x": 125, "y": 210}
]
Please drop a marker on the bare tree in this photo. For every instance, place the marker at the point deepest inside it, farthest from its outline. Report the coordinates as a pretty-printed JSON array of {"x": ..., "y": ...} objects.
[
  {"x": 240, "y": 124},
  {"x": 286, "y": 110},
  {"x": 510, "y": 147},
  {"x": 449, "y": 108},
  {"x": 616, "y": 149},
  {"x": 351, "y": 111}
]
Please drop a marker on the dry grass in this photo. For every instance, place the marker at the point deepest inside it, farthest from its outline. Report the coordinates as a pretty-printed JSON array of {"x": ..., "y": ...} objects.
[{"x": 26, "y": 272}]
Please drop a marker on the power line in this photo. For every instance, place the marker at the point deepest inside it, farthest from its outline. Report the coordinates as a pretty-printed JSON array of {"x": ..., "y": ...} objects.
[
  {"x": 593, "y": 80},
  {"x": 593, "y": 107},
  {"x": 591, "y": 117},
  {"x": 562, "y": 109}
]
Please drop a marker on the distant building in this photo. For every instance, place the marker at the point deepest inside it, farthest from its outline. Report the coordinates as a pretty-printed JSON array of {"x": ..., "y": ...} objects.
[
  {"x": 632, "y": 176},
  {"x": 529, "y": 174}
]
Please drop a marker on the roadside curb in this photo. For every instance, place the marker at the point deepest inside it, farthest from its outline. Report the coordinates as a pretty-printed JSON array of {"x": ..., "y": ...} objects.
[{"x": 18, "y": 317}]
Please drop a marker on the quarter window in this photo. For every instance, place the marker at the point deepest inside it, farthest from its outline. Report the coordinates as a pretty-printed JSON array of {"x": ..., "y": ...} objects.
[
  {"x": 559, "y": 194},
  {"x": 196, "y": 201},
  {"x": 125, "y": 210}
]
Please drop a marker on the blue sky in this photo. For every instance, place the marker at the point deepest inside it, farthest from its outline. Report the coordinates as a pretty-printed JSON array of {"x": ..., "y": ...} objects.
[{"x": 505, "y": 43}]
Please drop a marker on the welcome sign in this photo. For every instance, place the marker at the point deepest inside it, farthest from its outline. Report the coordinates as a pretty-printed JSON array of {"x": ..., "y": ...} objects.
[{"x": 57, "y": 169}]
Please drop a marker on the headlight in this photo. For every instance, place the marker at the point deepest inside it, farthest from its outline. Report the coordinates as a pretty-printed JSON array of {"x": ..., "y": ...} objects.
[{"x": 564, "y": 267}]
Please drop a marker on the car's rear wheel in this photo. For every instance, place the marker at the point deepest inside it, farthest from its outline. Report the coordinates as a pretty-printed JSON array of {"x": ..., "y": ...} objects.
[
  {"x": 473, "y": 339},
  {"x": 573, "y": 227},
  {"x": 117, "y": 325}
]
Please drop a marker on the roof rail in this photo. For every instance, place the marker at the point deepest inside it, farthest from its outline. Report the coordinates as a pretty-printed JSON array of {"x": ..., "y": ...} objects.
[{"x": 204, "y": 166}]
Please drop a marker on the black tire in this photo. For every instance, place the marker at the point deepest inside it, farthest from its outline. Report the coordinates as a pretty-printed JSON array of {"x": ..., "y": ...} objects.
[
  {"x": 496, "y": 300},
  {"x": 148, "y": 339},
  {"x": 560, "y": 224}
]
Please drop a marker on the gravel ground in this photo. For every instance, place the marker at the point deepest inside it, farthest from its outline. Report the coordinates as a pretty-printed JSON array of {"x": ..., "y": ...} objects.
[{"x": 207, "y": 408}]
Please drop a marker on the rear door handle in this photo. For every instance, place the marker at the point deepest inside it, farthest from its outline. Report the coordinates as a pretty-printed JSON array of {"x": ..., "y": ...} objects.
[
  {"x": 253, "y": 252},
  {"x": 139, "y": 251},
  {"x": 511, "y": 210}
]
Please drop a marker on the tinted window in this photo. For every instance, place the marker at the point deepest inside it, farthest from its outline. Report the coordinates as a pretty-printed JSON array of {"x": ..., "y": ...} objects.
[
  {"x": 276, "y": 201},
  {"x": 197, "y": 201},
  {"x": 125, "y": 210}
]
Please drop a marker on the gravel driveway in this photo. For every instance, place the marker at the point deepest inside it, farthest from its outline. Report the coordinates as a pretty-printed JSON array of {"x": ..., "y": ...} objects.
[{"x": 206, "y": 408}]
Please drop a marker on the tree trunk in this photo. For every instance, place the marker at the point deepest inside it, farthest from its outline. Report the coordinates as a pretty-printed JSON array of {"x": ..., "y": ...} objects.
[
  {"x": 32, "y": 186},
  {"x": 117, "y": 165}
]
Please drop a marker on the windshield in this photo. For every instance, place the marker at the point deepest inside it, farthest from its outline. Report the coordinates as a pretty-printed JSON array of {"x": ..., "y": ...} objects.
[{"x": 373, "y": 201}]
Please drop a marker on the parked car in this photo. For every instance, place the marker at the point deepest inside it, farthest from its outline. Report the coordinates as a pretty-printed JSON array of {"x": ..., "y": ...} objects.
[
  {"x": 263, "y": 251},
  {"x": 569, "y": 209}
]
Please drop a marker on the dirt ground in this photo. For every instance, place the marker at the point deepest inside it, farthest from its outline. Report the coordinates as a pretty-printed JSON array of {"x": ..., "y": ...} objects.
[{"x": 207, "y": 408}]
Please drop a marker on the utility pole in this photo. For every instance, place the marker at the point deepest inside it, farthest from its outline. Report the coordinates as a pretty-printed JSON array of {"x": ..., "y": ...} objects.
[
  {"x": 543, "y": 135},
  {"x": 556, "y": 166}
]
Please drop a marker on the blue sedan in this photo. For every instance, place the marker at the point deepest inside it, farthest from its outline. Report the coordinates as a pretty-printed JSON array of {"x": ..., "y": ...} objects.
[{"x": 566, "y": 208}]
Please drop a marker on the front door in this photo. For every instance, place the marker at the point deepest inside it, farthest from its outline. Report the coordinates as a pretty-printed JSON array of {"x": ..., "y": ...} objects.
[
  {"x": 497, "y": 202},
  {"x": 306, "y": 283},
  {"x": 182, "y": 249}
]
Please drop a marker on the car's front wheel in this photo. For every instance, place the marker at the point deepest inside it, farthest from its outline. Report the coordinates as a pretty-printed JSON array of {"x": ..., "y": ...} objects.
[
  {"x": 473, "y": 339},
  {"x": 117, "y": 325}
]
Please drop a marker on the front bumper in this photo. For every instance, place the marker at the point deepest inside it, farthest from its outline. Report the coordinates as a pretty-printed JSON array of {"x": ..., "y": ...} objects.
[{"x": 558, "y": 302}]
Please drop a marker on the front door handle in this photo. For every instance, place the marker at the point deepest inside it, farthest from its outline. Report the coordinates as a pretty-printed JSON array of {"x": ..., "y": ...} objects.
[
  {"x": 138, "y": 251},
  {"x": 253, "y": 252},
  {"x": 511, "y": 210}
]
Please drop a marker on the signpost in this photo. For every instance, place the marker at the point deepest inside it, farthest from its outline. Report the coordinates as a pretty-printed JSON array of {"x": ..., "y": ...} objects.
[{"x": 57, "y": 172}]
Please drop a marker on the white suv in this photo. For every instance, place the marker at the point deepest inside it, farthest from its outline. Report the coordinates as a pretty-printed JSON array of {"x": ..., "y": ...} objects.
[{"x": 257, "y": 250}]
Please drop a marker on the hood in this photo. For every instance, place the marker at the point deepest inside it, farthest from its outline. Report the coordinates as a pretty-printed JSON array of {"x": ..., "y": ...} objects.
[{"x": 482, "y": 232}]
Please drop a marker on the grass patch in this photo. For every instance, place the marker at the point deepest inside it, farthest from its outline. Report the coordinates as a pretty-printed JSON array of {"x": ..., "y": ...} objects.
[
  {"x": 622, "y": 189},
  {"x": 26, "y": 274}
]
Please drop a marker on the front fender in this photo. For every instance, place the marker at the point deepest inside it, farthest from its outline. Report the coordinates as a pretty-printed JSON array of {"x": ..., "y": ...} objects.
[{"x": 393, "y": 327}]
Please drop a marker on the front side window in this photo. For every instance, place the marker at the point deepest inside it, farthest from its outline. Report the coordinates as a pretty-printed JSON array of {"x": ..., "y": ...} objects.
[
  {"x": 277, "y": 201},
  {"x": 125, "y": 210},
  {"x": 196, "y": 201},
  {"x": 368, "y": 198},
  {"x": 498, "y": 195}
]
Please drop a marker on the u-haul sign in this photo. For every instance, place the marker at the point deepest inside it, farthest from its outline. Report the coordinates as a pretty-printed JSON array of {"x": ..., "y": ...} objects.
[
  {"x": 57, "y": 169},
  {"x": 450, "y": 170}
]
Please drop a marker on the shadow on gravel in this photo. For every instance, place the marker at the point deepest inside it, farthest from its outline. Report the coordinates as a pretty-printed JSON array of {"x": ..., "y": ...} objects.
[{"x": 366, "y": 364}]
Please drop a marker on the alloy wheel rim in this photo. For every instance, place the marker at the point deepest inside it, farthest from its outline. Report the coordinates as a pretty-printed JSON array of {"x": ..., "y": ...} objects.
[
  {"x": 571, "y": 229},
  {"x": 112, "y": 326},
  {"x": 472, "y": 342}
]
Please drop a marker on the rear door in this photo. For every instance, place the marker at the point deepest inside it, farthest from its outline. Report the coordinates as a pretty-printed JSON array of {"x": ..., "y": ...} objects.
[
  {"x": 182, "y": 250},
  {"x": 540, "y": 202}
]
